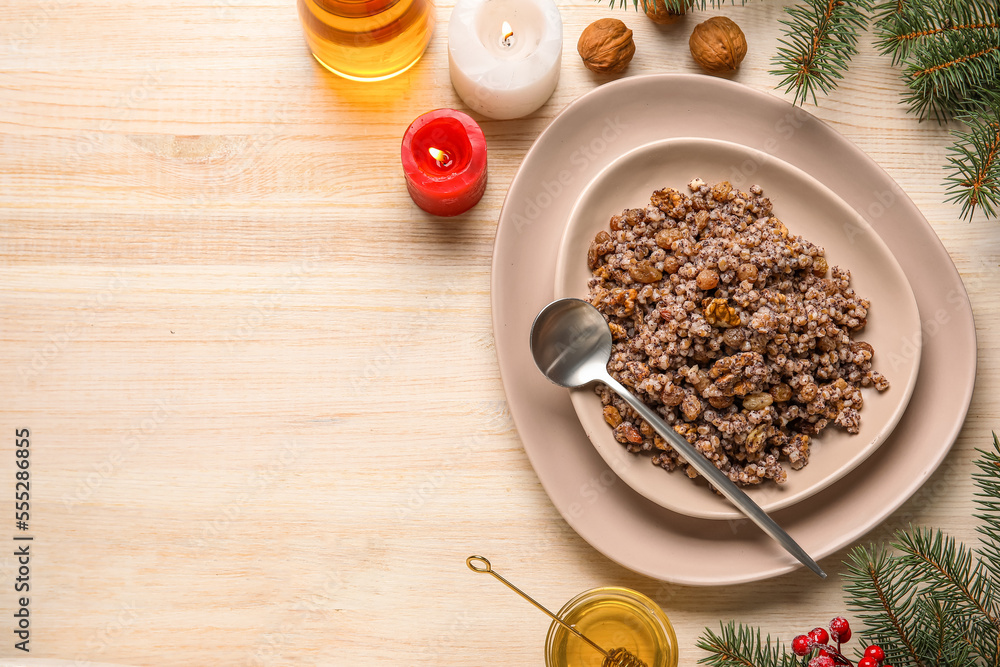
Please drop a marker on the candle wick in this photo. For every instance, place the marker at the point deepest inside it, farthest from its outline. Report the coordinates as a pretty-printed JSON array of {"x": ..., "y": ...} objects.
[{"x": 508, "y": 33}]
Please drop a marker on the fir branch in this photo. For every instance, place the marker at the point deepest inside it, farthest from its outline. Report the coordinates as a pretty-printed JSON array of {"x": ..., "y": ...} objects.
[
  {"x": 944, "y": 638},
  {"x": 820, "y": 39},
  {"x": 988, "y": 501},
  {"x": 952, "y": 570},
  {"x": 945, "y": 76},
  {"x": 884, "y": 595},
  {"x": 974, "y": 160},
  {"x": 886, "y": 8},
  {"x": 741, "y": 646},
  {"x": 903, "y": 28}
]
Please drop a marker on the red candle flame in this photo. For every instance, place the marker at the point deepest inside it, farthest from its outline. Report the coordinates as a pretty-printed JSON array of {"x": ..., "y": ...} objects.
[{"x": 442, "y": 158}]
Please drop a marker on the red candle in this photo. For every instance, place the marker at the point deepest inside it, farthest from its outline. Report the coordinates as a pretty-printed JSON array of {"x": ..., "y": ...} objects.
[{"x": 444, "y": 161}]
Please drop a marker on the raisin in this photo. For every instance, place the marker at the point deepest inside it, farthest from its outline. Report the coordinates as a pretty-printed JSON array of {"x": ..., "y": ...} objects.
[
  {"x": 644, "y": 272},
  {"x": 612, "y": 416},
  {"x": 707, "y": 279}
]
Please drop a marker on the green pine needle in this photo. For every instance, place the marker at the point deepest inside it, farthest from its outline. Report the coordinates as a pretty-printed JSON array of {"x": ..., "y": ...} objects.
[
  {"x": 957, "y": 580},
  {"x": 903, "y": 28},
  {"x": 974, "y": 162},
  {"x": 943, "y": 637},
  {"x": 946, "y": 75},
  {"x": 740, "y": 646},
  {"x": 821, "y": 37},
  {"x": 988, "y": 501},
  {"x": 885, "y": 598}
]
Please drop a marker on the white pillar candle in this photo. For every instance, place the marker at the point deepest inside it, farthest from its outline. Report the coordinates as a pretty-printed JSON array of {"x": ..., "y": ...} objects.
[{"x": 504, "y": 76}]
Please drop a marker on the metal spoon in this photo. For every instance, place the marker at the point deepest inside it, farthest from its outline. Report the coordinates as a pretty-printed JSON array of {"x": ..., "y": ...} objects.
[{"x": 571, "y": 344}]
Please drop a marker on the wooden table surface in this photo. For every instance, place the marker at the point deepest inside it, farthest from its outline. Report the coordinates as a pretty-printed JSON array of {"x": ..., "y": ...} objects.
[{"x": 252, "y": 369}]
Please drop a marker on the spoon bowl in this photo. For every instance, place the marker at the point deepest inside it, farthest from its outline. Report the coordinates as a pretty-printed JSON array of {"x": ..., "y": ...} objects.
[{"x": 571, "y": 342}]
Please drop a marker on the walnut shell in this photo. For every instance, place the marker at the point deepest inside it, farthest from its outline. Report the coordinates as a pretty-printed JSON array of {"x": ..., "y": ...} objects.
[
  {"x": 718, "y": 45},
  {"x": 606, "y": 46},
  {"x": 658, "y": 11}
]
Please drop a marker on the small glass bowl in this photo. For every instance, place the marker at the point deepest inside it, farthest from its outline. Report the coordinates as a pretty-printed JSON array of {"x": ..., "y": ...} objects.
[{"x": 611, "y": 617}]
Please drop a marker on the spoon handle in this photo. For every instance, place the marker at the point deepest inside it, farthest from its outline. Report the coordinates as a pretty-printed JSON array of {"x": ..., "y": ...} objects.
[{"x": 716, "y": 477}]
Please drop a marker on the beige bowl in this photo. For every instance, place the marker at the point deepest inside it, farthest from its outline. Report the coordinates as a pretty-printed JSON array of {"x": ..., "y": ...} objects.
[{"x": 807, "y": 208}]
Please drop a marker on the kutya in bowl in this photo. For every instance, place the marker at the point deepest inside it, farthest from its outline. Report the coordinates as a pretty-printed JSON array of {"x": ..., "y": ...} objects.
[{"x": 809, "y": 210}]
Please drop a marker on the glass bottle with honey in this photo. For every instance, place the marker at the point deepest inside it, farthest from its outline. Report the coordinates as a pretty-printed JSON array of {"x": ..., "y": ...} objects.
[{"x": 367, "y": 40}]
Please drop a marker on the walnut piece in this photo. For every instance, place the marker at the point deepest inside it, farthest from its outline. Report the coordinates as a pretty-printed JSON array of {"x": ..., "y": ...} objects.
[
  {"x": 718, "y": 45},
  {"x": 720, "y": 314},
  {"x": 606, "y": 46},
  {"x": 659, "y": 12}
]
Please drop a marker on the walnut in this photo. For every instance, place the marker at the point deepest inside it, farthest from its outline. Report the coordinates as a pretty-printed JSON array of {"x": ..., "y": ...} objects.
[
  {"x": 606, "y": 46},
  {"x": 599, "y": 247},
  {"x": 621, "y": 302},
  {"x": 734, "y": 374},
  {"x": 756, "y": 438},
  {"x": 718, "y": 45},
  {"x": 720, "y": 314},
  {"x": 659, "y": 12},
  {"x": 618, "y": 332}
]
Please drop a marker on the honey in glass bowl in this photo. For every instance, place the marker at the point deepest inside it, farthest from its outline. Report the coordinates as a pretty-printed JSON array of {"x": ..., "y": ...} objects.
[
  {"x": 367, "y": 40},
  {"x": 611, "y": 617}
]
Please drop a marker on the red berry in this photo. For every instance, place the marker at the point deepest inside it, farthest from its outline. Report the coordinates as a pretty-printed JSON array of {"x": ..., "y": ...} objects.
[
  {"x": 875, "y": 652},
  {"x": 840, "y": 629},
  {"x": 867, "y": 662},
  {"x": 819, "y": 636},
  {"x": 801, "y": 645},
  {"x": 822, "y": 661}
]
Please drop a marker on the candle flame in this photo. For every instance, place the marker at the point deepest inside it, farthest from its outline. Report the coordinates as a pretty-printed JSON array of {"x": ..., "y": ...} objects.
[
  {"x": 508, "y": 32},
  {"x": 442, "y": 158}
]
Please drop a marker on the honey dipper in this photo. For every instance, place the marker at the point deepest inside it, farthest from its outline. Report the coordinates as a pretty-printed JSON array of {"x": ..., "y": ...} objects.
[{"x": 617, "y": 657}]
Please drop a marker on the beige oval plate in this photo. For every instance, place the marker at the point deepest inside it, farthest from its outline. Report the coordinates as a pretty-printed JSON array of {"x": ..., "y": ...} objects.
[{"x": 807, "y": 208}]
